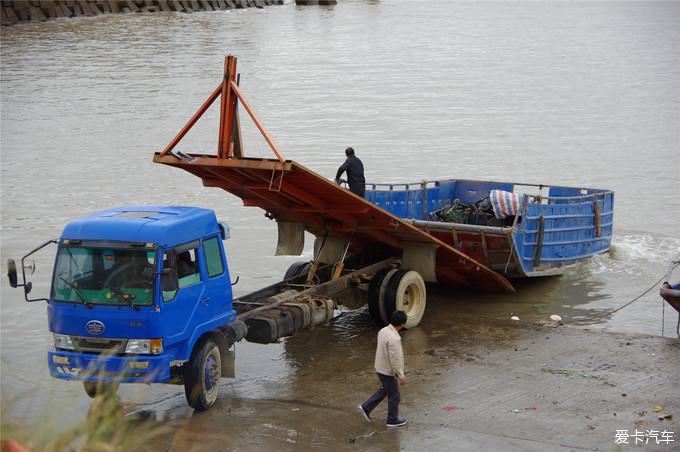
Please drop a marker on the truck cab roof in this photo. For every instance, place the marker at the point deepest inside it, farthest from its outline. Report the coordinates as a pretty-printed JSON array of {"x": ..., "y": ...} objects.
[{"x": 164, "y": 225}]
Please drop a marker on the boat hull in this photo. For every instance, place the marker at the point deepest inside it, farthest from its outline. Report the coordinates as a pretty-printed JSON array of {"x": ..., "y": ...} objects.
[{"x": 671, "y": 294}]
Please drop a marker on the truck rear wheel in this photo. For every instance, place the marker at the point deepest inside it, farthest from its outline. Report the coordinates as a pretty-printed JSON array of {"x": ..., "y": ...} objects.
[
  {"x": 94, "y": 388},
  {"x": 374, "y": 297},
  {"x": 296, "y": 269},
  {"x": 386, "y": 309},
  {"x": 405, "y": 291},
  {"x": 202, "y": 376}
]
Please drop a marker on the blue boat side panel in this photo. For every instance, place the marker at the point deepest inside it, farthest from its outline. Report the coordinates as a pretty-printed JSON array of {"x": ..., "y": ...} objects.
[
  {"x": 402, "y": 203},
  {"x": 408, "y": 202},
  {"x": 378, "y": 197},
  {"x": 565, "y": 192},
  {"x": 472, "y": 191},
  {"x": 438, "y": 196},
  {"x": 414, "y": 203},
  {"x": 569, "y": 230},
  {"x": 399, "y": 203}
]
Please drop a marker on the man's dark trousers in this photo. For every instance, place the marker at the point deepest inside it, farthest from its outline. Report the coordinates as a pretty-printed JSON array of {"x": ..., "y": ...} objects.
[
  {"x": 389, "y": 388},
  {"x": 359, "y": 189}
]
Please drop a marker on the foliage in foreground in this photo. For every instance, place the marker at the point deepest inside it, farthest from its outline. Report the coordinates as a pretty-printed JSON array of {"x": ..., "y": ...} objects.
[{"x": 106, "y": 428}]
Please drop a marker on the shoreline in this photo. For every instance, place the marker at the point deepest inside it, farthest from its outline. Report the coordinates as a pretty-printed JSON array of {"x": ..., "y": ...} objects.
[{"x": 44, "y": 10}]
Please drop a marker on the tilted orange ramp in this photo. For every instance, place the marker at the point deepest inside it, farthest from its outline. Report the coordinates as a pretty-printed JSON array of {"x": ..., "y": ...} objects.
[{"x": 290, "y": 192}]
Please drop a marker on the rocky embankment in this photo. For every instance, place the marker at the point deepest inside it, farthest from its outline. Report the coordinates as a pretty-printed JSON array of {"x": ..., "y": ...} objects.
[{"x": 14, "y": 12}]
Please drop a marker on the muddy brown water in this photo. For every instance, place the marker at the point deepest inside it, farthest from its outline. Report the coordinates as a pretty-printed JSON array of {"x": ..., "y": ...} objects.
[{"x": 555, "y": 93}]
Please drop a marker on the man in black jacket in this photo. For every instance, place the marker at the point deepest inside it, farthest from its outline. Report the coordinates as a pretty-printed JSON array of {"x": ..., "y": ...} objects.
[{"x": 355, "y": 173}]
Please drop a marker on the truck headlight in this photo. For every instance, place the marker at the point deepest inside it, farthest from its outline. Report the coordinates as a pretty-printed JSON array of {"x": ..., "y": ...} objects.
[
  {"x": 63, "y": 341},
  {"x": 144, "y": 346}
]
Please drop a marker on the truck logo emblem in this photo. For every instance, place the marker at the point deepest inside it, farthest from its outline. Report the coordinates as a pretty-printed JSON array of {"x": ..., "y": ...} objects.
[{"x": 94, "y": 327}]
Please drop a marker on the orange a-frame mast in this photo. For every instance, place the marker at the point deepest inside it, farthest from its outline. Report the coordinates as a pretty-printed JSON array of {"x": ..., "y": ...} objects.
[{"x": 229, "y": 143}]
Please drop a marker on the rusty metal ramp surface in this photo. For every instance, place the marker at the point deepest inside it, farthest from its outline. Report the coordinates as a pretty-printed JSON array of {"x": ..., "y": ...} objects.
[{"x": 291, "y": 192}]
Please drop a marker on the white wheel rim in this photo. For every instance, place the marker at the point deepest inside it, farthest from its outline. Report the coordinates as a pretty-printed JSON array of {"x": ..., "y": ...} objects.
[{"x": 411, "y": 298}]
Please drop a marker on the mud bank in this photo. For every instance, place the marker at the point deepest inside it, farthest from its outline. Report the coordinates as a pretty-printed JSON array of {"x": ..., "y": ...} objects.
[{"x": 471, "y": 384}]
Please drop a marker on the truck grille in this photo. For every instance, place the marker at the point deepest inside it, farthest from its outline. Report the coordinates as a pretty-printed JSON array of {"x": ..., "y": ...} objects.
[{"x": 99, "y": 345}]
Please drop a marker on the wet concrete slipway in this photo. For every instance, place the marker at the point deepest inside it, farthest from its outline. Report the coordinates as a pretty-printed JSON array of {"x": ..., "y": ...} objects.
[{"x": 558, "y": 93}]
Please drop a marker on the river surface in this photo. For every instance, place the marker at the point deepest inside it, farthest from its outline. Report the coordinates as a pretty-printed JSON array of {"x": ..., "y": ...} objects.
[{"x": 566, "y": 93}]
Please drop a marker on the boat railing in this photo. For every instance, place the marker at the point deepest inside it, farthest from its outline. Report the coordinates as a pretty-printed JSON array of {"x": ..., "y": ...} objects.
[
  {"x": 541, "y": 199},
  {"x": 436, "y": 183}
]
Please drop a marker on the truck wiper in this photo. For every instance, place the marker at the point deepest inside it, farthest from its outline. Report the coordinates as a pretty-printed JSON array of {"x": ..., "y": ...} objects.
[
  {"x": 75, "y": 288},
  {"x": 126, "y": 297}
]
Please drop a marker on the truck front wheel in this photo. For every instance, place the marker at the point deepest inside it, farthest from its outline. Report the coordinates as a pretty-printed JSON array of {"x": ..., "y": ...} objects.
[
  {"x": 202, "y": 376},
  {"x": 94, "y": 388}
]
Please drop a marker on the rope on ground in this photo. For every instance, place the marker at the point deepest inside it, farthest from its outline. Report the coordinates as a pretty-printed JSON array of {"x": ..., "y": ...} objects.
[
  {"x": 641, "y": 295},
  {"x": 663, "y": 317}
]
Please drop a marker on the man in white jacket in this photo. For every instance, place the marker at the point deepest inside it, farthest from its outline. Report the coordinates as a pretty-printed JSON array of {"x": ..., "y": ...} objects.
[{"x": 389, "y": 364}]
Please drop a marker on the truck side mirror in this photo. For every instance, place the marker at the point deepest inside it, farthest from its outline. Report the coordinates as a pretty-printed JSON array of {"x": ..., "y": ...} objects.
[
  {"x": 169, "y": 280},
  {"x": 25, "y": 267},
  {"x": 13, "y": 280},
  {"x": 12, "y": 272},
  {"x": 225, "y": 233}
]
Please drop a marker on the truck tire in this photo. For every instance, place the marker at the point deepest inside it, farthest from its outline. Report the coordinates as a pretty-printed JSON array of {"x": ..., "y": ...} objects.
[
  {"x": 405, "y": 291},
  {"x": 296, "y": 269},
  {"x": 202, "y": 376},
  {"x": 374, "y": 297},
  {"x": 94, "y": 388},
  {"x": 385, "y": 311}
]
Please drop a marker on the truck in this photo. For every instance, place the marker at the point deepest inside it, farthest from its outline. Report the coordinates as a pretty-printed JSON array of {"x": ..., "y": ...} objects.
[{"x": 143, "y": 294}]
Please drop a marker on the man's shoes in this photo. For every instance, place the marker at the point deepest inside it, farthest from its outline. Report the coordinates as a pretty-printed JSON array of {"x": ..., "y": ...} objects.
[
  {"x": 397, "y": 423},
  {"x": 366, "y": 416}
]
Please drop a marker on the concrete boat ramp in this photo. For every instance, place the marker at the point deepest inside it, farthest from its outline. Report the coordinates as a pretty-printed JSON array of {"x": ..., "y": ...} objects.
[{"x": 472, "y": 384}]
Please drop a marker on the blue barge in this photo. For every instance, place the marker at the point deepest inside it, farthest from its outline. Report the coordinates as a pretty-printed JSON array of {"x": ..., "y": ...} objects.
[{"x": 550, "y": 227}]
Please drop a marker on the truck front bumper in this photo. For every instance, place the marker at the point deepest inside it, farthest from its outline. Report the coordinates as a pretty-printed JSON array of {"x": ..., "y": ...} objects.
[{"x": 123, "y": 369}]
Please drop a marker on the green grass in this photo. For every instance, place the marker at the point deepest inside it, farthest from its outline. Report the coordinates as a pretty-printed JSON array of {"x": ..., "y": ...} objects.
[{"x": 105, "y": 428}]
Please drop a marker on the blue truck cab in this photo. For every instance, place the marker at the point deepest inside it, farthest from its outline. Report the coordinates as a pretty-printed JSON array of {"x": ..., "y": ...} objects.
[{"x": 142, "y": 294}]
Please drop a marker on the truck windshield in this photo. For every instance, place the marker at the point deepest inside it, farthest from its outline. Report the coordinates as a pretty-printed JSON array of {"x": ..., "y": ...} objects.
[{"x": 112, "y": 276}]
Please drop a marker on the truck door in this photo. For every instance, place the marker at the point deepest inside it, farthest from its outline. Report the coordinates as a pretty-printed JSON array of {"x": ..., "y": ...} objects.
[
  {"x": 185, "y": 307},
  {"x": 218, "y": 284}
]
